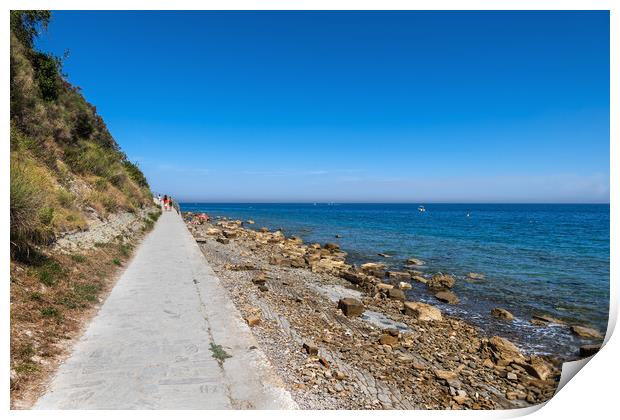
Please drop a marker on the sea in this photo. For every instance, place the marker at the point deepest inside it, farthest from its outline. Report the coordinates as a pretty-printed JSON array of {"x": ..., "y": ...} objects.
[{"x": 536, "y": 258}]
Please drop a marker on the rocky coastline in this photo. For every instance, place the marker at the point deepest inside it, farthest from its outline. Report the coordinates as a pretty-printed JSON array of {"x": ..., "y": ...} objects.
[{"x": 345, "y": 337}]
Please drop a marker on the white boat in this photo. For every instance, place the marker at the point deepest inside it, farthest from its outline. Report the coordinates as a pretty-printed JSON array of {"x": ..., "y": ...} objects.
[{"x": 421, "y": 209}]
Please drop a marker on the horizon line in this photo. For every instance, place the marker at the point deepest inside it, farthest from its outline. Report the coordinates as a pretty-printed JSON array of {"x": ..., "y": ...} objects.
[{"x": 395, "y": 202}]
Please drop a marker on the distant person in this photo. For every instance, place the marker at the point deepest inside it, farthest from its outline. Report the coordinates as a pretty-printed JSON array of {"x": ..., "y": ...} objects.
[{"x": 165, "y": 202}]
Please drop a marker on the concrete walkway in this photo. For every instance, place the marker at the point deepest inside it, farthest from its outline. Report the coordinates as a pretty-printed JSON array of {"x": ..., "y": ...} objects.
[{"x": 149, "y": 345}]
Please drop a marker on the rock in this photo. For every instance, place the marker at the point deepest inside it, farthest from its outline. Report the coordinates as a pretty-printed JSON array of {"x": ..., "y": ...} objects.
[
  {"x": 311, "y": 348},
  {"x": 260, "y": 278},
  {"x": 441, "y": 281},
  {"x": 487, "y": 363},
  {"x": 384, "y": 287},
  {"x": 502, "y": 313},
  {"x": 538, "y": 368},
  {"x": 503, "y": 349},
  {"x": 351, "y": 307},
  {"x": 331, "y": 246},
  {"x": 388, "y": 339},
  {"x": 543, "y": 319},
  {"x": 422, "y": 311},
  {"x": 586, "y": 332},
  {"x": 589, "y": 350},
  {"x": 511, "y": 376},
  {"x": 230, "y": 233},
  {"x": 337, "y": 236},
  {"x": 201, "y": 240},
  {"x": 263, "y": 288},
  {"x": 399, "y": 275},
  {"x": 250, "y": 222},
  {"x": 446, "y": 375},
  {"x": 419, "y": 279},
  {"x": 339, "y": 375},
  {"x": 374, "y": 269},
  {"x": 448, "y": 297},
  {"x": 222, "y": 240},
  {"x": 384, "y": 255},
  {"x": 278, "y": 259},
  {"x": 475, "y": 276},
  {"x": 324, "y": 362},
  {"x": 252, "y": 320},
  {"x": 515, "y": 395},
  {"x": 213, "y": 231},
  {"x": 353, "y": 276},
  {"x": 404, "y": 285},
  {"x": 263, "y": 230},
  {"x": 398, "y": 294},
  {"x": 414, "y": 261},
  {"x": 460, "y": 399}
]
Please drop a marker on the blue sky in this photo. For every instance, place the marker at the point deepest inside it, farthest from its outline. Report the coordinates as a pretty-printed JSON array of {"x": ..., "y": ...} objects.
[{"x": 351, "y": 106}]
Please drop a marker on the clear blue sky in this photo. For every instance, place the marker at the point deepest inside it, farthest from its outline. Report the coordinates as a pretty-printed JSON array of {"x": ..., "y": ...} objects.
[{"x": 351, "y": 106}]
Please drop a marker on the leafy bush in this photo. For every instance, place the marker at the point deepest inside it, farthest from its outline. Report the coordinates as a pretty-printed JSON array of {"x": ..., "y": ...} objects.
[
  {"x": 27, "y": 205},
  {"x": 50, "y": 312}
]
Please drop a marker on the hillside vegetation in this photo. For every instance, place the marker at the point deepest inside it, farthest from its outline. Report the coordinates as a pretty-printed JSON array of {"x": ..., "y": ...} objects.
[
  {"x": 65, "y": 164},
  {"x": 67, "y": 173}
]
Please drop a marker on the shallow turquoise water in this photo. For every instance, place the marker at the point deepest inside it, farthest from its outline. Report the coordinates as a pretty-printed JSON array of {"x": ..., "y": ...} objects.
[{"x": 548, "y": 258}]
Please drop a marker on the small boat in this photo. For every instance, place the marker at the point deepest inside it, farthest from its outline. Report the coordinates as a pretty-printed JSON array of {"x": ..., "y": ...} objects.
[{"x": 421, "y": 209}]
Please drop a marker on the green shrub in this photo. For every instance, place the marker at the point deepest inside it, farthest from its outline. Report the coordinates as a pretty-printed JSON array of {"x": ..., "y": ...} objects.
[
  {"x": 78, "y": 258},
  {"x": 101, "y": 184},
  {"x": 26, "y": 201},
  {"x": 87, "y": 292},
  {"x": 124, "y": 249},
  {"x": 65, "y": 198},
  {"x": 36, "y": 296},
  {"x": 50, "y": 312},
  {"x": 50, "y": 272},
  {"x": 135, "y": 173},
  {"x": 116, "y": 261}
]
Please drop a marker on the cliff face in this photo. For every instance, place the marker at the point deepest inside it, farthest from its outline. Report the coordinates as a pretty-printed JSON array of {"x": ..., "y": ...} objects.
[{"x": 66, "y": 168}]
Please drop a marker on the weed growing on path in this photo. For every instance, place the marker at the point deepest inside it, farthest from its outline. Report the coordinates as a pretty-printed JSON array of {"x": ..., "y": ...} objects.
[{"x": 219, "y": 353}]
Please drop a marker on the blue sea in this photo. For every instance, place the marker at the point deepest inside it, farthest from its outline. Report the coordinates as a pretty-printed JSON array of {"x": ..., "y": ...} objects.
[{"x": 537, "y": 258}]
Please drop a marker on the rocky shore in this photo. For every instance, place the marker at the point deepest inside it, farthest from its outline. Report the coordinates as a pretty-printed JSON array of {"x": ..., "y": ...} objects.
[{"x": 345, "y": 337}]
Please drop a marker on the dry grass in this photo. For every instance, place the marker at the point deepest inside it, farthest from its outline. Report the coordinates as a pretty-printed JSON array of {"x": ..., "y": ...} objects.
[{"x": 52, "y": 298}]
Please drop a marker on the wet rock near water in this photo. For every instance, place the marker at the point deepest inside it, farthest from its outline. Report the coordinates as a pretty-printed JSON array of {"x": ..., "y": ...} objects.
[{"x": 502, "y": 314}]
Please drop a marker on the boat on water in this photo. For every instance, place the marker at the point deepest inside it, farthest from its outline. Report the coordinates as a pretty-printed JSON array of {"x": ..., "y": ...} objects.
[{"x": 421, "y": 209}]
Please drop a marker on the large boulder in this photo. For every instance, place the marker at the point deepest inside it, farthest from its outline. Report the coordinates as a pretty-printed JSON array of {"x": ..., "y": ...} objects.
[
  {"x": 538, "y": 368},
  {"x": 414, "y": 261},
  {"x": 278, "y": 259},
  {"x": 503, "y": 349},
  {"x": 419, "y": 279},
  {"x": 388, "y": 339},
  {"x": 374, "y": 269},
  {"x": 502, "y": 314},
  {"x": 351, "y": 307},
  {"x": 589, "y": 350},
  {"x": 330, "y": 246},
  {"x": 586, "y": 332},
  {"x": 441, "y": 281},
  {"x": 399, "y": 275},
  {"x": 447, "y": 297},
  {"x": 354, "y": 277},
  {"x": 395, "y": 293},
  {"x": 422, "y": 311},
  {"x": 230, "y": 233}
]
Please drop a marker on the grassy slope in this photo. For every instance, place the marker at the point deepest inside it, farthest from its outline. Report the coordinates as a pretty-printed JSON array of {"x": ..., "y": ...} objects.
[
  {"x": 63, "y": 159},
  {"x": 65, "y": 168}
]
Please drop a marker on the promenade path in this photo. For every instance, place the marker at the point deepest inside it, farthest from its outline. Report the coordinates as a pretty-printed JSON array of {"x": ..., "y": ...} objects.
[{"x": 149, "y": 346}]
